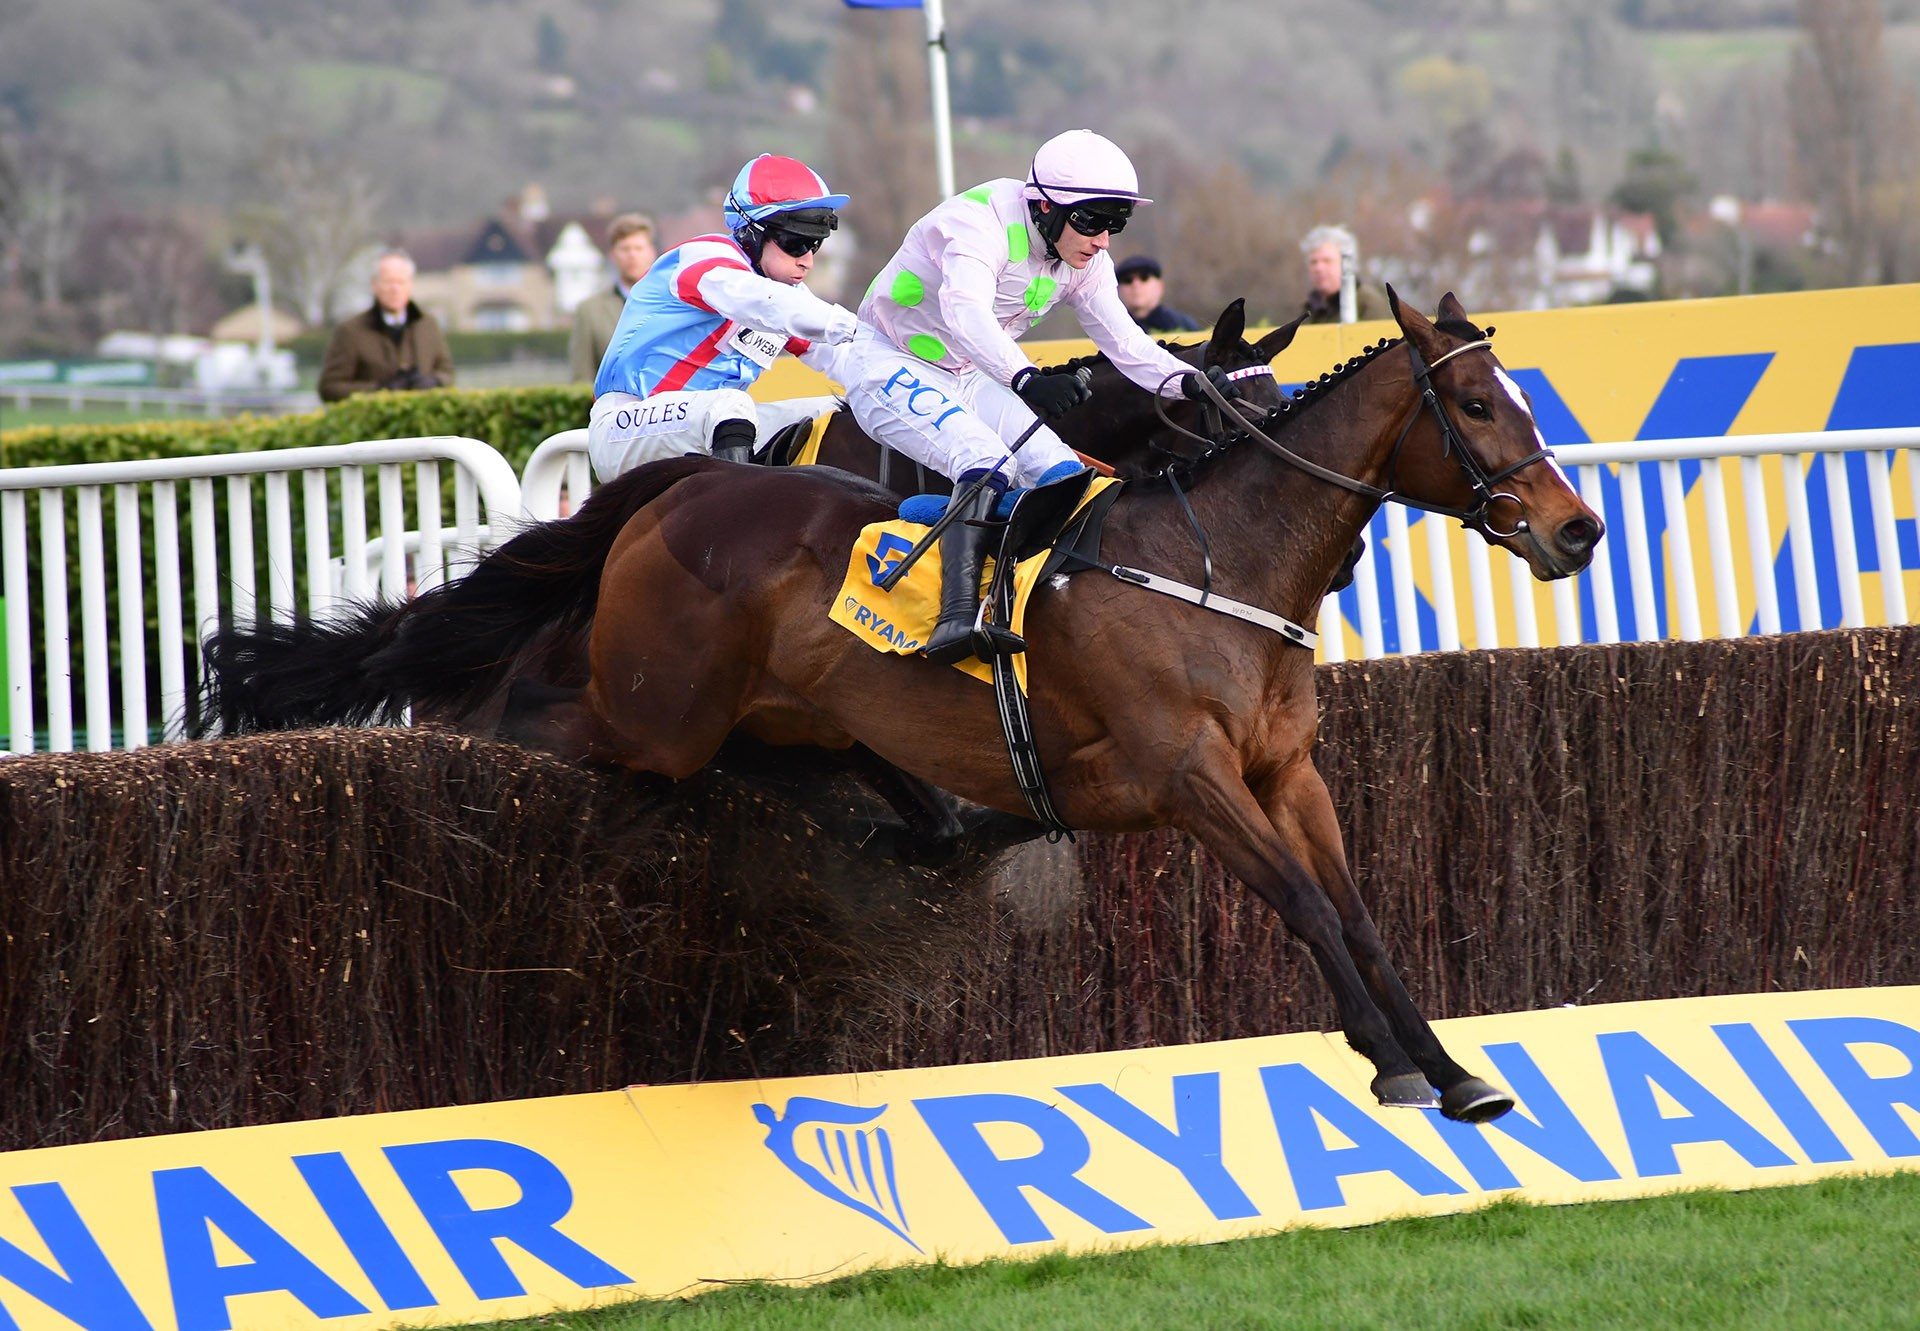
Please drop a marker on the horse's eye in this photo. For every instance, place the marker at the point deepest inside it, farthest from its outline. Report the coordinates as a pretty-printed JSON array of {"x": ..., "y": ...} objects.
[{"x": 1475, "y": 408}]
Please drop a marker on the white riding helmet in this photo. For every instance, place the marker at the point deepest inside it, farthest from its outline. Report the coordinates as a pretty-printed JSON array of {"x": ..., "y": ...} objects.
[{"x": 1080, "y": 165}]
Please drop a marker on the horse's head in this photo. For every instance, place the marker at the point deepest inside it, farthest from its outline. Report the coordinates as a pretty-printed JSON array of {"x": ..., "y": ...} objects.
[
  {"x": 1120, "y": 425},
  {"x": 1229, "y": 349},
  {"x": 1472, "y": 445}
]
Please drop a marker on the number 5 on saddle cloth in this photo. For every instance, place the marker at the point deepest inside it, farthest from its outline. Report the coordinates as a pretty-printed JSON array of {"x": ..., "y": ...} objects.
[{"x": 1048, "y": 524}]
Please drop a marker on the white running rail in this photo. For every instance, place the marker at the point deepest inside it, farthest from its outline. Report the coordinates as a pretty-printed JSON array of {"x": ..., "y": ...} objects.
[
  {"x": 558, "y": 468},
  {"x": 1716, "y": 536},
  {"x": 142, "y": 619},
  {"x": 1722, "y": 535}
]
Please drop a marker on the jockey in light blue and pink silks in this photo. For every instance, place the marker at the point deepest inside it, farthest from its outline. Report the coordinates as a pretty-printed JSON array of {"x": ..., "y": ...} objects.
[{"x": 709, "y": 317}]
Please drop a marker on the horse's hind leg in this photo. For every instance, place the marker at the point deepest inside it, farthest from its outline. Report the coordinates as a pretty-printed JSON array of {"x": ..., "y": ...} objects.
[
  {"x": 552, "y": 719},
  {"x": 940, "y": 828},
  {"x": 1303, "y": 814},
  {"x": 1219, "y": 809}
]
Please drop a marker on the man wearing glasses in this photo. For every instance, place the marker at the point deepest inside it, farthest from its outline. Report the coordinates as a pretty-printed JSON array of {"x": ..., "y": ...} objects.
[
  {"x": 934, "y": 370},
  {"x": 709, "y": 316}
]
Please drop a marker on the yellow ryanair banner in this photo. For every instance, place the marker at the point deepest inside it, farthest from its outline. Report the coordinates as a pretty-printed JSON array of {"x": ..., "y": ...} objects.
[
  {"x": 506, "y": 1210},
  {"x": 1804, "y": 360}
]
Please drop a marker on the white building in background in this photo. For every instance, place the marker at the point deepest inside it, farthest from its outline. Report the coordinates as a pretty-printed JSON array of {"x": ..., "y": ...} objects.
[
  {"x": 579, "y": 267},
  {"x": 1529, "y": 253}
]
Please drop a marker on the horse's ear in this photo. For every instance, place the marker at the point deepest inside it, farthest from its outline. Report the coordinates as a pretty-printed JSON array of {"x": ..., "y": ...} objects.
[
  {"x": 1277, "y": 341},
  {"x": 1451, "y": 308},
  {"x": 1414, "y": 324},
  {"x": 1228, "y": 330}
]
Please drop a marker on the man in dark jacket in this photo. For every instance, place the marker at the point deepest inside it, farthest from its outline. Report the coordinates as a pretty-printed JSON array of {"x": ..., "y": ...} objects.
[
  {"x": 1143, "y": 290},
  {"x": 394, "y": 345}
]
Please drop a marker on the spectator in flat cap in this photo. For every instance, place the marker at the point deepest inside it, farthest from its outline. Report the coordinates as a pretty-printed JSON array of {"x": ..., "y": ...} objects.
[{"x": 1142, "y": 291}]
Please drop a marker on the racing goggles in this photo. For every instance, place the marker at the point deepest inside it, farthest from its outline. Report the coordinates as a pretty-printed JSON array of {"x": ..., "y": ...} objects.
[
  {"x": 800, "y": 231},
  {"x": 795, "y": 245},
  {"x": 1105, "y": 215}
]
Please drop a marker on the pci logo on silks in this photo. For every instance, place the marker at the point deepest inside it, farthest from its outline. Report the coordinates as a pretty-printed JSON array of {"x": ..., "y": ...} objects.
[{"x": 840, "y": 1152}]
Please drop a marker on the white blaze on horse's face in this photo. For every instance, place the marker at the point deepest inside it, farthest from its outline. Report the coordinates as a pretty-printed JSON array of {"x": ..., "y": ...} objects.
[{"x": 1520, "y": 404}]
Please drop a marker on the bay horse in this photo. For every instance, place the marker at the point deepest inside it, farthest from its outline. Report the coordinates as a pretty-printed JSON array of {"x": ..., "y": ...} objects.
[
  {"x": 707, "y": 588},
  {"x": 476, "y": 640}
]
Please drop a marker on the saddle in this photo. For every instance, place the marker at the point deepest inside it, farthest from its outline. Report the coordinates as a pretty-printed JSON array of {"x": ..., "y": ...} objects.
[{"x": 796, "y": 444}]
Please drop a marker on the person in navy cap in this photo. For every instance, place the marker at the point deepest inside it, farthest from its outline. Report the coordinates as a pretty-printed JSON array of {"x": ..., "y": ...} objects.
[{"x": 1143, "y": 291}]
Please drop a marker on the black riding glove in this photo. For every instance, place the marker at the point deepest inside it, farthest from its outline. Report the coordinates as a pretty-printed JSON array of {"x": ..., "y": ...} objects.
[
  {"x": 1050, "y": 395},
  {"x": 1190, "y": 383}
]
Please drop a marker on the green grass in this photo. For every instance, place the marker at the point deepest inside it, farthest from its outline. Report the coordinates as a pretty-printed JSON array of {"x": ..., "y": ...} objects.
[
  {"x": 1842, "y": 1252},
  {"x": 14, "y": 417},
  {"x": 327, "y": 88},
  {"x": 1720, "y": 48}
]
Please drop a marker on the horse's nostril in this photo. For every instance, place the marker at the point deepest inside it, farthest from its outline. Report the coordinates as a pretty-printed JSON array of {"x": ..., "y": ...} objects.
[{"x": 1578, "y": 536}]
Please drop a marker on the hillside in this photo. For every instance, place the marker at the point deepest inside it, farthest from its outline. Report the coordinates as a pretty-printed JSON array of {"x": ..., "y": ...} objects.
[
  {"x": 138, "y": 141},
  {"x": 448, "y": 106}
]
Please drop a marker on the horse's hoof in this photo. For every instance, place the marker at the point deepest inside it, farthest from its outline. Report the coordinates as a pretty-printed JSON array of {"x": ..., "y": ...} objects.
[
  {"x": 1474, "y": 1101},
  {"x": 1405, "y": 1090}
]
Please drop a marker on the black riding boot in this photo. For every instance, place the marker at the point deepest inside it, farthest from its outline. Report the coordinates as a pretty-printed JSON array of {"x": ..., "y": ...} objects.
[
  {"x": 733, "y": 440},
  {"x": 963, "y": 549}
]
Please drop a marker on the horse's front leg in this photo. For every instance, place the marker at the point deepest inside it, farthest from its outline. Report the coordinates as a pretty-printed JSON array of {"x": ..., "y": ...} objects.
[
  {"x": 1216, "y": 806},
  {"x": 1301, "y": 811}
]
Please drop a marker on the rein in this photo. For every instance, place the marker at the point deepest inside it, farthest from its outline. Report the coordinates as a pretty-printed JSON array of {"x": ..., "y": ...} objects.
[
  {"x": 1220, "y": 409},
  {"x": 1480, "y": 481}
]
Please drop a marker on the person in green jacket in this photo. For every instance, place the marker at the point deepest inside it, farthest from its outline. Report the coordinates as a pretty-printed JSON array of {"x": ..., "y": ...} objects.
[
  {"x": 630, "y": 246},
  {"x": 1327, "y": 250},
  {"x": 395, "y": 345}
]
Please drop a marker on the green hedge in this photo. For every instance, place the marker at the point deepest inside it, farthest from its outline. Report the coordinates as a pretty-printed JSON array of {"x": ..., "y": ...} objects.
[{"x": 513, "y": 420}]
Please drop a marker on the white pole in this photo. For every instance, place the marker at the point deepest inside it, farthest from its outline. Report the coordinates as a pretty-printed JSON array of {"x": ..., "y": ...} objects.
[
  {"x": 937, "y": 86},
  {"x": 1349, "y": 281}
]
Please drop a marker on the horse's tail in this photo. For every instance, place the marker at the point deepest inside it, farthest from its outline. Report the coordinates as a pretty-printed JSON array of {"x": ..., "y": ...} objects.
[{"x": 448, "y": 647}]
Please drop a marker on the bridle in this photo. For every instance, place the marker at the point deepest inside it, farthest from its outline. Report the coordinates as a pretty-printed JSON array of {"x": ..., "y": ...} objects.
[{"x": 1479, "y": 480}]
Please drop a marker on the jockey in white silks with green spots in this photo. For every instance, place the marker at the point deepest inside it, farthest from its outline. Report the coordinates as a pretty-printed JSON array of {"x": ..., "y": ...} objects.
[{"x": 934, "y": 372}]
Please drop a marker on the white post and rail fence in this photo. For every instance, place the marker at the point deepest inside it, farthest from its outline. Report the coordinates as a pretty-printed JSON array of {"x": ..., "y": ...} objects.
[{"x": 1726, "y": 536}]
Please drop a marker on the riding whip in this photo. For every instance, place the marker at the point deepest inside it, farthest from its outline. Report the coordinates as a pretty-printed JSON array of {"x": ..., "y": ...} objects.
[{"x": 959, "y": 502}]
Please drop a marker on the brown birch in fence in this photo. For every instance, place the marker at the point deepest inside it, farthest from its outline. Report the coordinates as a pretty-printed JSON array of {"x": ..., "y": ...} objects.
[{"x": 338, "y": 922}]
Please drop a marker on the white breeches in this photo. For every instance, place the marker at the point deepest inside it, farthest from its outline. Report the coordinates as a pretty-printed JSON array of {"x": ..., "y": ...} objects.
[
  {"x": 625, "y": 431},
  {"x": 951, "y": 422}
]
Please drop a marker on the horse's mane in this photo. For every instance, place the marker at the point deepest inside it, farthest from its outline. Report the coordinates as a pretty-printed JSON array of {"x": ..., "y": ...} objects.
[
  {"x": 1190, "y": 469},
  {"x": 1315, "y": 389}
]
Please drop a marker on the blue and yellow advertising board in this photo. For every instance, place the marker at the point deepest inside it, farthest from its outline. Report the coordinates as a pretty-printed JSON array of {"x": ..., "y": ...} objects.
[
  {"x": 494, "y": 1211},
  {"x": 1802, "y": 361}
]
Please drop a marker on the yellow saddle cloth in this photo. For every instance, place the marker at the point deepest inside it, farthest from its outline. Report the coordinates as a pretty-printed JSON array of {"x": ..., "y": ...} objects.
[{"x": 900, "y": 621}]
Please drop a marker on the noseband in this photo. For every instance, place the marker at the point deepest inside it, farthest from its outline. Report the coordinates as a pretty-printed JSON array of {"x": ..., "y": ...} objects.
[
  {"x": 1451, "y": 444},
  {"x": 1479, "y": 479}
]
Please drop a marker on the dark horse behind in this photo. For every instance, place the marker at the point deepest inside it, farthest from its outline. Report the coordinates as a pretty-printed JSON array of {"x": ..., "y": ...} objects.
[{"x": 704, "y": 586}]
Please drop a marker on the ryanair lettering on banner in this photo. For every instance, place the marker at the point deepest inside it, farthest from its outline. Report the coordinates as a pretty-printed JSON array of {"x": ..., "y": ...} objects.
[{"x": 507, "y": 1210}]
